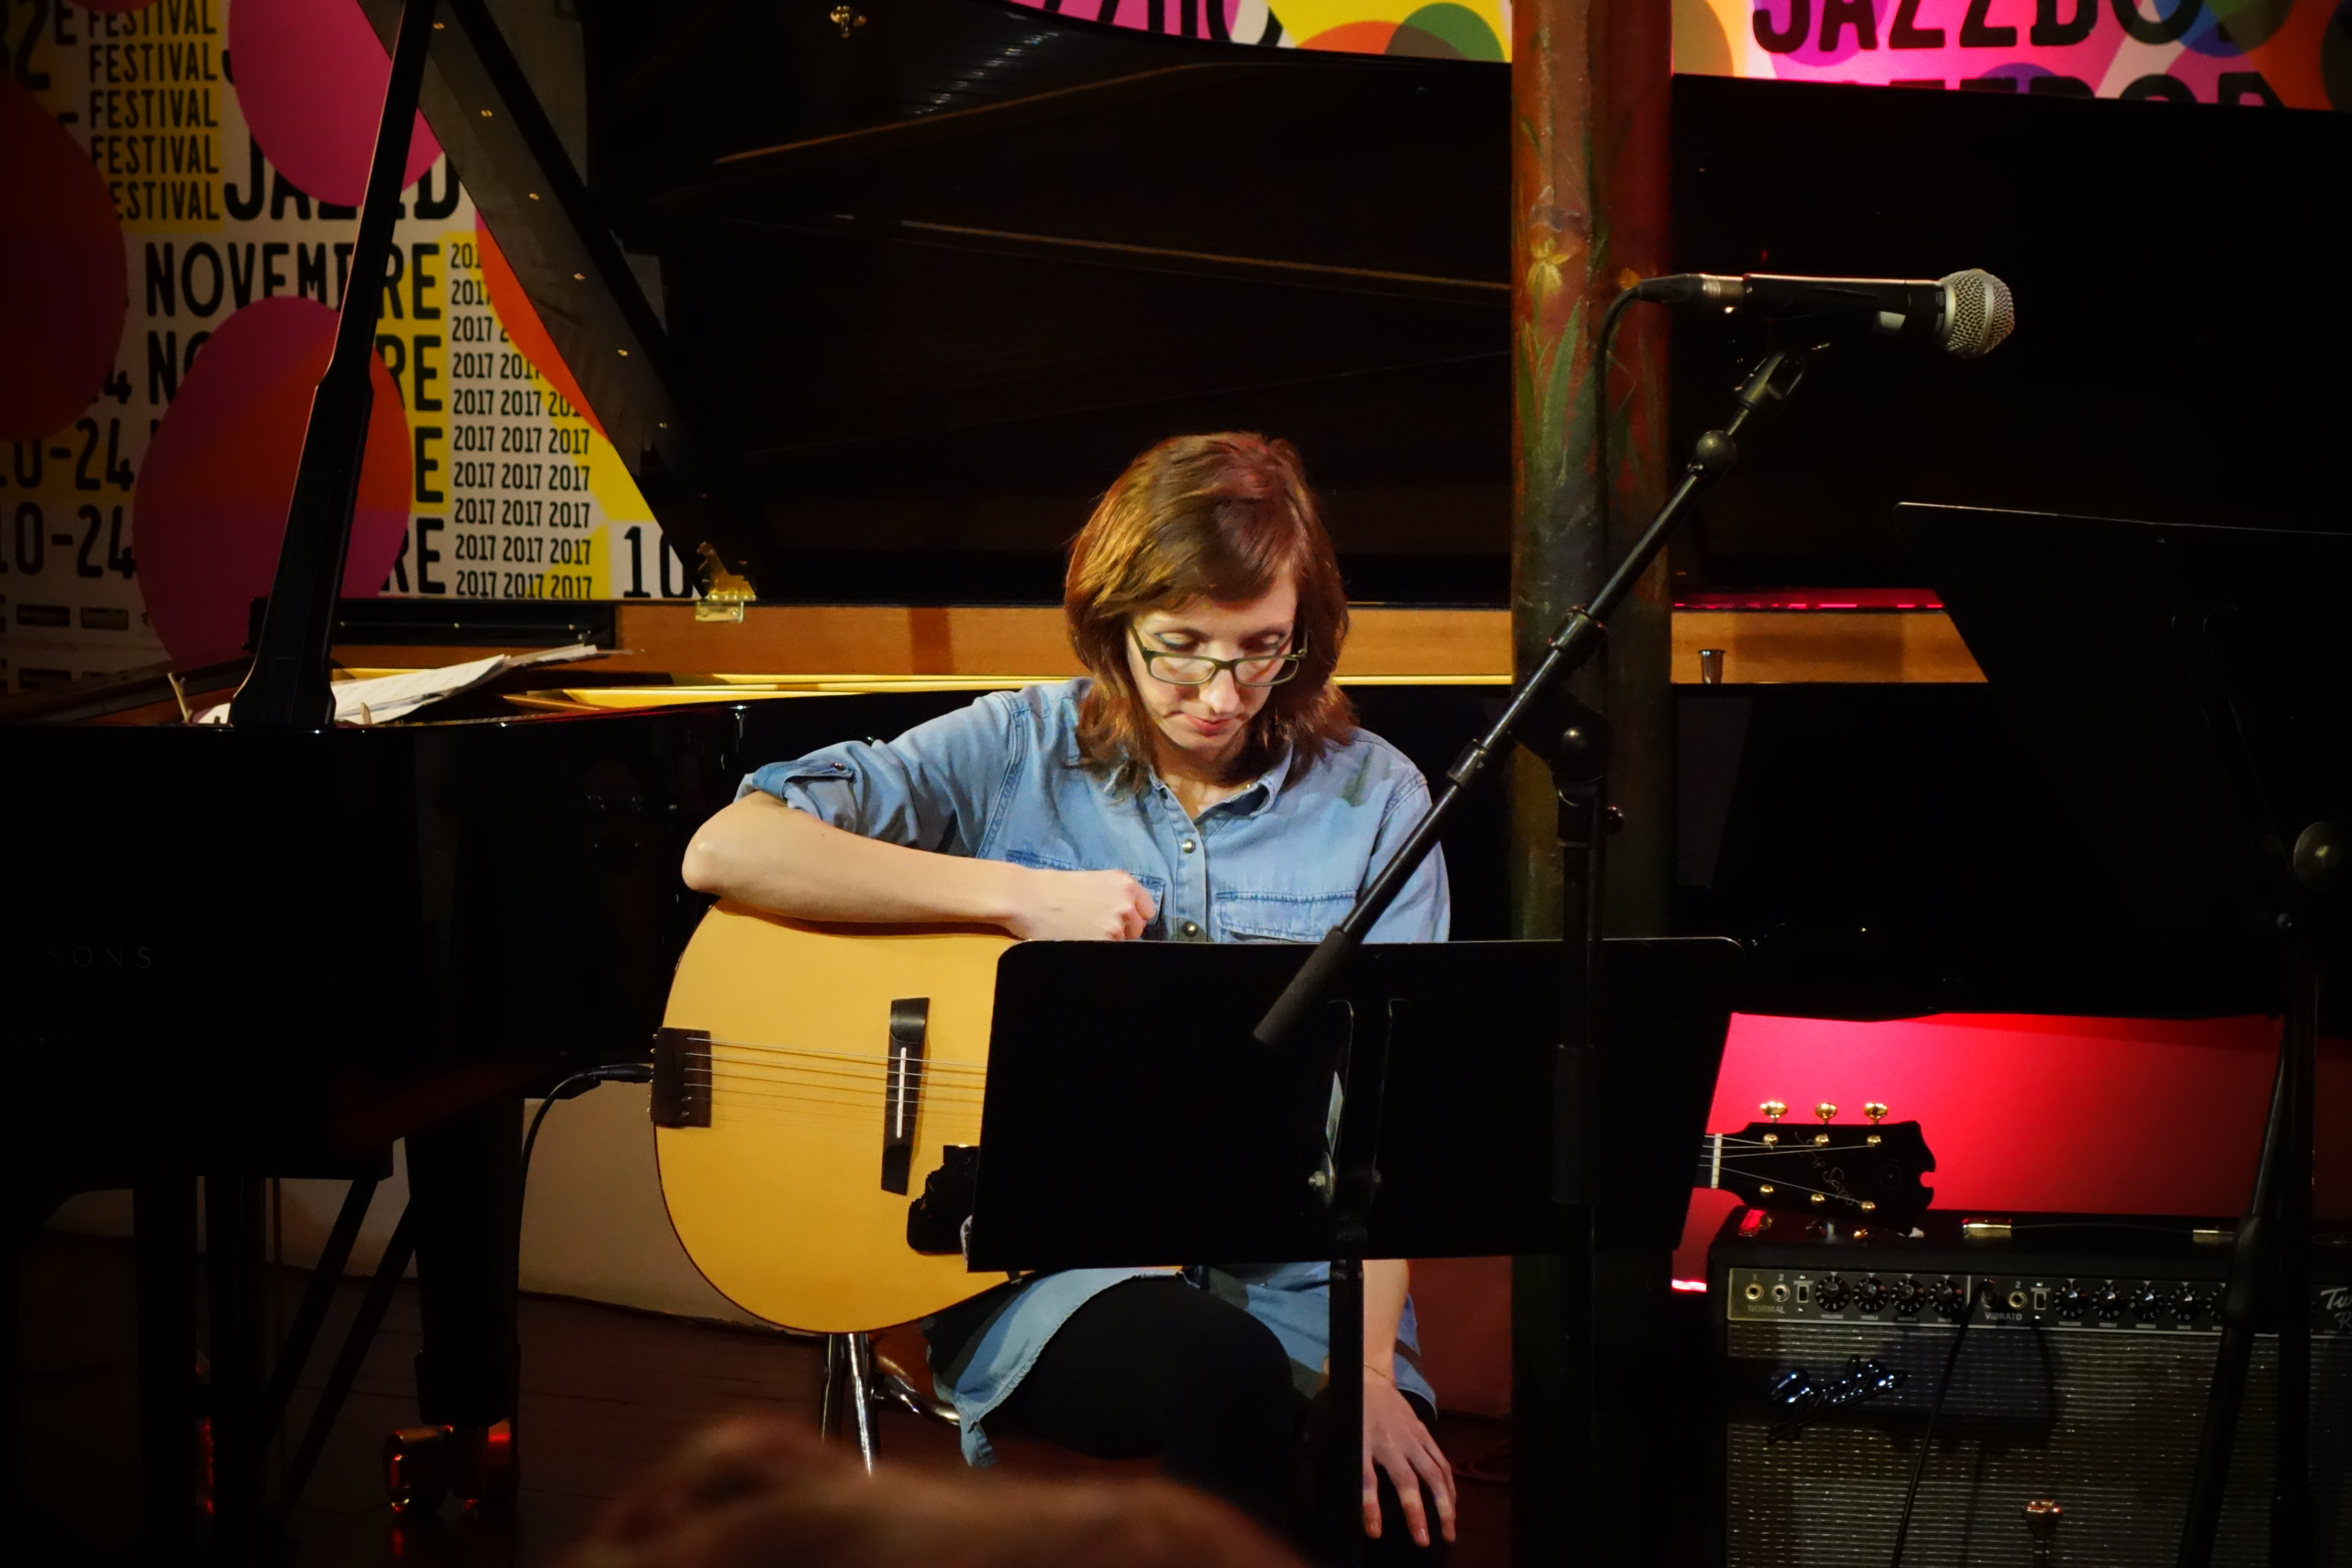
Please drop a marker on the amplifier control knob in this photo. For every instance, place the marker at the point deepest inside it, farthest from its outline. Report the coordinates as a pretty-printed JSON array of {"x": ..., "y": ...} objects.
[
  {"x": 1909, "y": 1297},
  {"x": 1833, "y": 1293},
  {"x": 2195, "y": 1303},
  {"x": 1870, "y": 1295},
  {"x": 2158, "y": 1300},
  {"x": 2073, "y": 1302},
  {"x": 2111, "y": 1302},
  {"x": 1951, "y": 1298}
]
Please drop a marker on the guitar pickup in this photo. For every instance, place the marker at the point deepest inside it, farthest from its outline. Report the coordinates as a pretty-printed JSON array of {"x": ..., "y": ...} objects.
[{"x": 935, "y": 1221}]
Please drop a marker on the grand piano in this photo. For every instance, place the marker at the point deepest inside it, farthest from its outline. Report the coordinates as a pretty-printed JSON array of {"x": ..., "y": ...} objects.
[{"x": 872, "y": 306}]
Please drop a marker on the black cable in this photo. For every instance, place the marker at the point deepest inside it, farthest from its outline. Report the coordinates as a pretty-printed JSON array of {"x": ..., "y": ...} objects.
[
  {"x": 1927, "y": 1439},
  {"x": 575, "y": 1085},
  {"x": 1601, "y": 426}
]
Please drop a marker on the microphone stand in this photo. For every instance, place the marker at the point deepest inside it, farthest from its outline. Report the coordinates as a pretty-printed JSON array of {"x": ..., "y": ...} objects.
[{"x": 1575, "y": 741}]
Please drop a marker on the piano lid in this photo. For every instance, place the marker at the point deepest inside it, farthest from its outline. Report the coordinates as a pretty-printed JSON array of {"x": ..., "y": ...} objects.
[
  {"x": 946, "y": 275},
  {"x": 915, "y": 295}
]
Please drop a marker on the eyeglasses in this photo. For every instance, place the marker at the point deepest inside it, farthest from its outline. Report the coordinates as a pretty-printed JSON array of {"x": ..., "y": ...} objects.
[{"x": 1199, "y": 669}]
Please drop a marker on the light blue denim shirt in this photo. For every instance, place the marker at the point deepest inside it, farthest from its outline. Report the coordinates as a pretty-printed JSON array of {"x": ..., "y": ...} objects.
[{"x": 1281, "y": 861}]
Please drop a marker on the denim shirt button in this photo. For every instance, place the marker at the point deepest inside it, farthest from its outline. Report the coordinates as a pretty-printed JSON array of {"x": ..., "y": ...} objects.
[
  {"x": 1189, "y": 845},
  {"x": 1191, "y": 928}
]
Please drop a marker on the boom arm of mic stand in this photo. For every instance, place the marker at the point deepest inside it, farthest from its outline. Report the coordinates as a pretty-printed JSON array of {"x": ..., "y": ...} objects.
[{"x": 1572, "y": 644}]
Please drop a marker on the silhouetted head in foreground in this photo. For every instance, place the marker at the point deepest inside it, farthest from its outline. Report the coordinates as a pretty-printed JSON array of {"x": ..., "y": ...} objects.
[{"x": 753, "y": 1494}]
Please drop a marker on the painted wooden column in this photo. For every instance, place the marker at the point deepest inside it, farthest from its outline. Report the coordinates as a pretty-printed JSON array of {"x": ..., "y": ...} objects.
[{"x": 1589, "y": 83}]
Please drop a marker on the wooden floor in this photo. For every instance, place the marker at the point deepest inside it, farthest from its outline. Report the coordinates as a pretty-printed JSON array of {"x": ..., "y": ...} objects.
[{"x": 605, "y": 1393}]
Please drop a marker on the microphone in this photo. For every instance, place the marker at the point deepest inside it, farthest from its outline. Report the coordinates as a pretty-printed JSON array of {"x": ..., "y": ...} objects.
[{"x": 1965, "y": 314}]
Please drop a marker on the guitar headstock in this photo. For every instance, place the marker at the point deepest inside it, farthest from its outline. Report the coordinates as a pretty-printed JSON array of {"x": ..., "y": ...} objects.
[{"x": 1868, "y": 1172}]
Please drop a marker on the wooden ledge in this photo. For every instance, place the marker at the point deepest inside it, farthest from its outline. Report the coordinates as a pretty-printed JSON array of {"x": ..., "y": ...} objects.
[
  {"x": 987, "y": 641},
  {"x": 1875, "y": 647}
]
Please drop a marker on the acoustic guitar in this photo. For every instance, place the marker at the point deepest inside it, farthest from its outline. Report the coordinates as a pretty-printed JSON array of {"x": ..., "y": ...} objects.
[{"x": 811, "y": 1081}]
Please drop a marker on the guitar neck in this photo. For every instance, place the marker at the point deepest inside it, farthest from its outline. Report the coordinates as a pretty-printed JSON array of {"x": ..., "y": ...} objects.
[
  {"x": 1839, "y": 1171},
  {"x": 1709, "y": 1173}
]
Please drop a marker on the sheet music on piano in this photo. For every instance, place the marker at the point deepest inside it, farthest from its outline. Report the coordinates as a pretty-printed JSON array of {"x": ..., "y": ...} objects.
[{"x": 381, "y": 699}]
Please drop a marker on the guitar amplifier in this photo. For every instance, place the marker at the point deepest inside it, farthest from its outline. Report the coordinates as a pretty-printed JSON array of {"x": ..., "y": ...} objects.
[{"x": 2069, "y": 1435}]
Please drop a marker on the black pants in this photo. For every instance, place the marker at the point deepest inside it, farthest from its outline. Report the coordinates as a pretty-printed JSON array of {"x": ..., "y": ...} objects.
[{"x": 1156, "y": 1367}]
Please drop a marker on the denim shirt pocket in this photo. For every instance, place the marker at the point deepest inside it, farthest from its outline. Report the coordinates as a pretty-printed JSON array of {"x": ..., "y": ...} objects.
[
  {"x": 1156, "y": 886},
  {"x": 1254, "y": 916}
]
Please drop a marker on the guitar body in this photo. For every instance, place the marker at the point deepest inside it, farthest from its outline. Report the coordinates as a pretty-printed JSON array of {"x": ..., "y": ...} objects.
[
  {"x": 794, "y": 1132},
  {"x": 779, "y": 1201}
]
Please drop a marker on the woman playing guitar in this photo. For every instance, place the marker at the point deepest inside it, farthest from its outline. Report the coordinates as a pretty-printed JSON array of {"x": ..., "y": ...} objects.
[{"x": 1206, "y": 782}]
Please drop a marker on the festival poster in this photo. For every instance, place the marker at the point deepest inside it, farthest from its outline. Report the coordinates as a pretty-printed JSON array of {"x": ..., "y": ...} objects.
[
  {"x": 2294, "y": 54},
  {"x": 177, "y": 211}
]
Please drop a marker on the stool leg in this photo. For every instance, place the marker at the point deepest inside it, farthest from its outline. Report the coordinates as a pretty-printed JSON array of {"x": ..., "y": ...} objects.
[
  {"x": 829, "y": 1401},
  {"x": 848, "y": 1392},
  {"x": 861, "y": 1394}
]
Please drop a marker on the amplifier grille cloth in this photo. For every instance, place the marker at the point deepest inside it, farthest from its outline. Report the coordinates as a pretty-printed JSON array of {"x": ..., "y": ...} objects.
[{"x": 2105, "y": 1423}]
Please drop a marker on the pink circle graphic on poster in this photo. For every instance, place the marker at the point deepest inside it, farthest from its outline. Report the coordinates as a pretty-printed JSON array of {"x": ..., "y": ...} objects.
[
  {"x": 63, "y": 294},
  {"x": 210, "y": 510},
  {"x": 310, "y": 78}
]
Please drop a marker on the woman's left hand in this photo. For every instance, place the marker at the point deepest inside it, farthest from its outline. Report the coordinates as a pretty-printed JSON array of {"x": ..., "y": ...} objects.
[{"x": 1398, "y": 1444}]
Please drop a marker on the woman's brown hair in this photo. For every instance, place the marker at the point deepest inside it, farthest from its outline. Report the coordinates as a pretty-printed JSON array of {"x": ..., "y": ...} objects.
[{"x": 1206, "y": 517}]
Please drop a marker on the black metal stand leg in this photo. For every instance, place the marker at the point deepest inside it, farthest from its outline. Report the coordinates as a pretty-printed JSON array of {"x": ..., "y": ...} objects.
[
  {"x": 464, "y": 1179},
  {"x": 2269, "y": 1278},
  {"x": 1561, "y": 1360},
  {"x": 317, "y": 1298},
  {"x": 1363, "y": 1069},
  {"x": 1551, "y": 1297},
  {"x": 2290, "y": 1519},
  {"x": 1343, "y": 1448},
  {"x": 346, "y": 1371},
  {"x": 30, "y": 1199},
  {"x": 236, "y": 1336},
  {"x": 163, "y": 1209}
]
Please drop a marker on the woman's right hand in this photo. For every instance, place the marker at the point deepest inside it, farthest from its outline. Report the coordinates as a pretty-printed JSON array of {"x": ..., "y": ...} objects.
[{"x": 1080, "y": 905}]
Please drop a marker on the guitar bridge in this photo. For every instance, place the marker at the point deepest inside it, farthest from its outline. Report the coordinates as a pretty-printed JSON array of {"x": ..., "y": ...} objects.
[
  {"x": 681, "y": 1095},
  {"x": 902, "y": 1096}
]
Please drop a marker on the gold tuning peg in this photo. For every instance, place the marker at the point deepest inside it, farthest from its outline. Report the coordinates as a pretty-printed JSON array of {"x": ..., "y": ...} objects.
[
  {"x": 1876, "y": 1111},
  {"x": 1774, "y": 1110},
  {"x": 1826, "y": 1111}
]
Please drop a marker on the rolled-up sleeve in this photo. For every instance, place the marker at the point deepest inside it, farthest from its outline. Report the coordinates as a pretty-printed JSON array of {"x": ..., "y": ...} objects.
[
  {"x": 1424, "y": 911},
  {"x": 932, "y": 788}
]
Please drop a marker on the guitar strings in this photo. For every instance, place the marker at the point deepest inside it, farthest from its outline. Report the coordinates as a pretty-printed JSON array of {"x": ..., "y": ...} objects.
[
  {"x": 834, "y": 1076},
  {"x": 865, "y": 1065},
  {"x": 753, "y": 1105},
  {"x": 826, "y": 1061},
  {"x": 831, "y": 1094},
  {"x": 855, "y": 1056},
  {"x": 938, "y": 1077},
  {"x": 1744, "y": 1154},
  {"x": 861, "y": 1109},
  {"x": 792, "y": 1110},
  {"x": 867, "y": 1105},
  {"x": 802, "y": 1107}
]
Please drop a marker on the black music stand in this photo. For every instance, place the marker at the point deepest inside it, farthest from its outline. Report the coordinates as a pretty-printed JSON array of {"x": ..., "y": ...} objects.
[
  {"x": 1131, "y": 1118},
  {"x": 2183, "y": 687}
]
